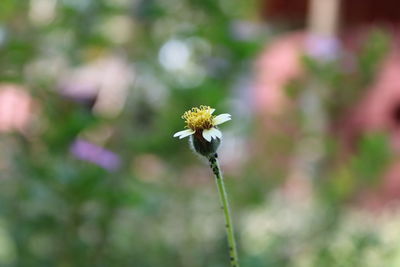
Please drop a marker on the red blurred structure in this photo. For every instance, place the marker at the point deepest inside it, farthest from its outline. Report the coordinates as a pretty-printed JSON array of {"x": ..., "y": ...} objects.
[{"x": 353, "y": 13}]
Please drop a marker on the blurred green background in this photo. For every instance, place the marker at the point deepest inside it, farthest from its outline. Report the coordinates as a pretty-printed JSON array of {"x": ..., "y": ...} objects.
[{"x": 91, "y": 92}]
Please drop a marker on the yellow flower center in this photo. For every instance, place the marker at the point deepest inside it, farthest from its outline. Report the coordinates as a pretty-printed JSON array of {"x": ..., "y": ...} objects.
[{"x": 199, "y": 118}]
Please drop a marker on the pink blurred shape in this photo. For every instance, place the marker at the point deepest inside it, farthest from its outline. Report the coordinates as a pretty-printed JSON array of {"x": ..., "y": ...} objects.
[
  {"x": 15, "y": 108},
  {"x": 276, "y": 66}
]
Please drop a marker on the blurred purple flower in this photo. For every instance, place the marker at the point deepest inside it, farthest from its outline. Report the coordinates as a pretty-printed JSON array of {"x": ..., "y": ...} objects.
[
  {"x": 322, "y": 47},
  {"x": 87, "y": 151}
]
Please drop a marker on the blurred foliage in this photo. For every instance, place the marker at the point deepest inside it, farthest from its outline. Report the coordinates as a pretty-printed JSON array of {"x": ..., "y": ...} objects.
[
  {"x": 346, "y": 84},
  {"x": 58, "y": 210}
]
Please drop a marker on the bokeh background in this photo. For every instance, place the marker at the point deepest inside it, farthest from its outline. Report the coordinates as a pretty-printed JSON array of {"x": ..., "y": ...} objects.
[{"x": 91, "y": 92}]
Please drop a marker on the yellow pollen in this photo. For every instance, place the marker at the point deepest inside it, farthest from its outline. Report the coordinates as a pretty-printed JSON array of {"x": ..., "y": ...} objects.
[{"x": 199, "y": 118}]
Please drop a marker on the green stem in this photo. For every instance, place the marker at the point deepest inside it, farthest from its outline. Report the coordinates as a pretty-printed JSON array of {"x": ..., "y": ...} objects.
[{"x": 225, "y": 207}]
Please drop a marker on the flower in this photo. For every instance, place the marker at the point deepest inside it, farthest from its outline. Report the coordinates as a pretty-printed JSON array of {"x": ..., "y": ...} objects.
[
  {"x": 201, "y": 122},
  {"x": 87, "y": 151}
]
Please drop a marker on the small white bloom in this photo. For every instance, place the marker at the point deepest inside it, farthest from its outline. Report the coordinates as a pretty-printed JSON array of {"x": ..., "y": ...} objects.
[{"x": 200, "y": 120}]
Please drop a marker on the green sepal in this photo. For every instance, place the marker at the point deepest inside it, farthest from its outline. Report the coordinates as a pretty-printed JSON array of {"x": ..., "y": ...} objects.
[{"x": 203, "y": 147}]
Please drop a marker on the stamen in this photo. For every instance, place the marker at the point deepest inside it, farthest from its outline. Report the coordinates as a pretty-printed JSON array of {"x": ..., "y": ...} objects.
[{"x": 199, "y": 118}]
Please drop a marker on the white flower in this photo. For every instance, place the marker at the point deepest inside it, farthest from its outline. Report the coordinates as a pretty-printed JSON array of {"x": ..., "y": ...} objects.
[{"x": 201, "y": 122}]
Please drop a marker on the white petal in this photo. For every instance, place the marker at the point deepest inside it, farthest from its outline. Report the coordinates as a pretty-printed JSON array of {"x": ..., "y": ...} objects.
[
  {"x": 187, "y": 134},
  {"x": 212, "y": 110},
  {"x": 184, "y": 133},
  {"x": 215, "y": 133},
  {"x": 222, "y": 118},
  {"x": 212, "y": 133},
  {"x": 179, "y": 133},
  {"x": 207, "y": 134}
]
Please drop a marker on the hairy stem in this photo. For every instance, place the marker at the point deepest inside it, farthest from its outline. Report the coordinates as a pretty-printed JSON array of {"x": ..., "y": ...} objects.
[{"x": 225, "y": 207}]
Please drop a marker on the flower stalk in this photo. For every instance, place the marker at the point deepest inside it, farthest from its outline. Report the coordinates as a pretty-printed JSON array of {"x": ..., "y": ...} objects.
[
  {"x": 234, "y": 259},
  {"x": 205, "y": 138}
]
